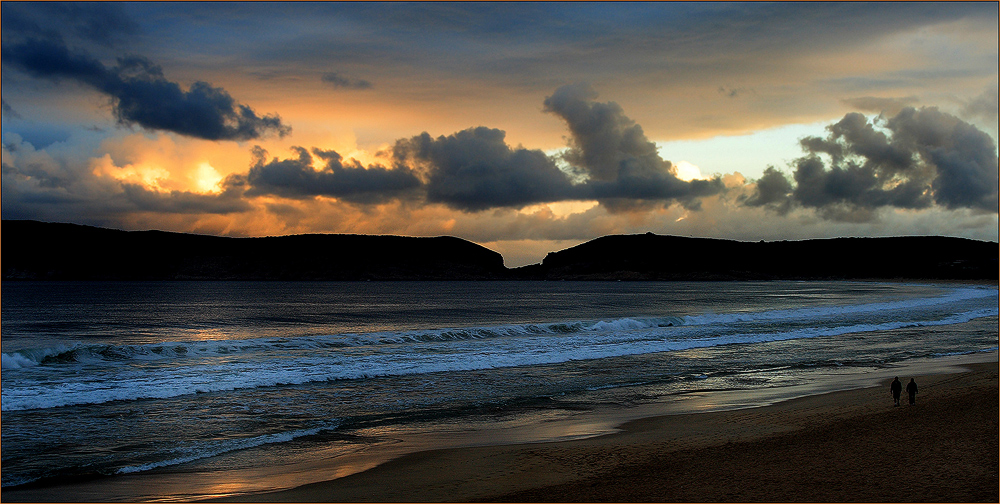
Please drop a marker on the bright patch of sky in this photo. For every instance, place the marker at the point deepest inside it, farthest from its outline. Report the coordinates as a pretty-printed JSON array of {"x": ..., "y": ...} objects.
[{"x": 746, "y": 154}]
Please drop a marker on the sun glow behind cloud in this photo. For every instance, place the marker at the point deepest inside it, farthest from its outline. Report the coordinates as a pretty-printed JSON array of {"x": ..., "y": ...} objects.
[
  {"x": 145, "y": 174},
  {"x": 206, "y": 178},
  {"x": 560, "y": 209},
  {"x": 687, "y": 171}
]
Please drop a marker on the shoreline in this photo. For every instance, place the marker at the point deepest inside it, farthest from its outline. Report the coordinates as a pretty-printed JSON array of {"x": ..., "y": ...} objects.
[
  {"x": 496, "y": 461},
  {"x": 628, "y": 465}
]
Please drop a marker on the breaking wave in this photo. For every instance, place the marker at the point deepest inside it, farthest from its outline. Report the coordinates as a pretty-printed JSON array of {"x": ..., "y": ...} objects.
[{"x": 90, "y": 374}]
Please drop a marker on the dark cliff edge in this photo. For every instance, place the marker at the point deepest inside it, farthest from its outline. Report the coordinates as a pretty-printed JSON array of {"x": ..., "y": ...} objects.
[
  {"x": 49, "y": 251},
  {"x": 655, "y": 257}
]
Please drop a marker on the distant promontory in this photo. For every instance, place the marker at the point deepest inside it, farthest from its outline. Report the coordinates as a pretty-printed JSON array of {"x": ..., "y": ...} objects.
[
  {"x": 656, "y": 257},
  {"x": 34, "y": 250},
  {"x": 47, "y": 251}
]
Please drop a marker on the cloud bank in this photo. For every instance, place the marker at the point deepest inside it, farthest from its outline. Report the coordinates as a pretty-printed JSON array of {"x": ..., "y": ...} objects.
[
  {"x": 296, "y": 178},
  {"x": 620, "y": 164},
  {"x": 141, "y": 95},
  {"x": 475, "y": 169},
  {"x": 913, "y": 160},
  {"x": 918, "y": 171},
  {"x": 609, "y": 160}
]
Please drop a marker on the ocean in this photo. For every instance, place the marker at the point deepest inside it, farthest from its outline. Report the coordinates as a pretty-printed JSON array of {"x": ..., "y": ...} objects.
[{"x": 106, "y": 379}]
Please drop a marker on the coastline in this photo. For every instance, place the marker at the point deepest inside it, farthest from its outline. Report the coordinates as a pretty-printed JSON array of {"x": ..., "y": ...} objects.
[
  {"x": 837, "y": 449},
  {"x": 646, "y": 458},
  {"x": 554, "y": 458}
]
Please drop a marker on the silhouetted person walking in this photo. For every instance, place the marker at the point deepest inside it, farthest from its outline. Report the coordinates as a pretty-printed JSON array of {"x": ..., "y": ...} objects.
[
  {"x": 896, "y": 389},
  {"x": 911, "y": 390}
]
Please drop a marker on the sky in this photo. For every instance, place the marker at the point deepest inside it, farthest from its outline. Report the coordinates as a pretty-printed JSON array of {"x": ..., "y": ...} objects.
[{"x": 525, "y": 127}]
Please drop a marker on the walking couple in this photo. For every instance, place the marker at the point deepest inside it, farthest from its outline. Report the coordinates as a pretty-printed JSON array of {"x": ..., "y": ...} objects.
[{"x": 896, "y": 388}]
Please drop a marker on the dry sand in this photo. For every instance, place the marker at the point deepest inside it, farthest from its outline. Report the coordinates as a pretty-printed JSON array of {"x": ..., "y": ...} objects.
[{"x": 850, "y": 446}]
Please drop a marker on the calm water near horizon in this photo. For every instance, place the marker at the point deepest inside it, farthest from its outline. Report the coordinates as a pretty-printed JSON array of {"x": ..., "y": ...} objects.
[{"x": 111, "y": 378}]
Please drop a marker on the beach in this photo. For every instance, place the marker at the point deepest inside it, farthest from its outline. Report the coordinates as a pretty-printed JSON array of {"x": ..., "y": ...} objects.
[
  {"x": 677, "y": 392},
  {"x": 843, "y": 446}
]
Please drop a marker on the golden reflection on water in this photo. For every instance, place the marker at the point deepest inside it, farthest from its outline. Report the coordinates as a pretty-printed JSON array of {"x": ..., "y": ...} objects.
[{"x": 233, "y": 482}]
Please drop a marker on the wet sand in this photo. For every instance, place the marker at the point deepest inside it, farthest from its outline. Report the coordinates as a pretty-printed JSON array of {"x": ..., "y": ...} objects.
[
  {"x": 843, "y": 446},
  {"x": 851, "y": 445}
]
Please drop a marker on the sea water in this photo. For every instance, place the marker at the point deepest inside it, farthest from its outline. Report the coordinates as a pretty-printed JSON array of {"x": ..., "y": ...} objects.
[{"x": 111, "y": 378}]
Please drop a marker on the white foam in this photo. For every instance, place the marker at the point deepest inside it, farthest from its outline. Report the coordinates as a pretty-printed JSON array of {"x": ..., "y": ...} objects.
[
  {"x": 228, "y": 446},
  {"x": 175, "y": 369},
  {"x": 16, "y": 361},
  {"x": 31, "y": 357},
  {"x": 956, "y": 295}
]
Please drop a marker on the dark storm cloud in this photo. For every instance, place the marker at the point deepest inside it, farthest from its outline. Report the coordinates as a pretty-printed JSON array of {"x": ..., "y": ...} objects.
[
  {"x": 614, "y": 153},
  {"x": 339, "y": 81},
  {"x": 773, "y": 190},
  {"x": 854, "y": 135},
  {"x": 141, "y": 95},
  {"x": 475, "y": 170},
  {"x": 610, "y": 158},
  {"x": 916, "y": 159},
  {"x": 295, "y": 178},
  {"x": 77, "y": 201},
  {"x": 184, "y": 202},
  {"x": 603, "y": 140},
  {"x": 964, "y": 157},
  {"x": 53, "y": 60}
]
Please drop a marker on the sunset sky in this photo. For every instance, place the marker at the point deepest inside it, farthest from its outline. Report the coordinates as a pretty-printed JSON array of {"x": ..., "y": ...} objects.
[{"x": 524, "y": 127}]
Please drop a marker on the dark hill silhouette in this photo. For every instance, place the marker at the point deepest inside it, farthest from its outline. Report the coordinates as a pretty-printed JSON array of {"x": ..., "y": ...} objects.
[
  {"x": 655, "y": 257},
  {"x": 48, "y": 251}
]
